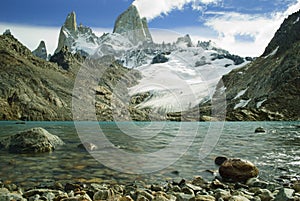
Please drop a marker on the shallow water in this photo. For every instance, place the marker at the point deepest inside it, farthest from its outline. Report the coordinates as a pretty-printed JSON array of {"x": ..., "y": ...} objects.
[{"x": 157, "y": 151}]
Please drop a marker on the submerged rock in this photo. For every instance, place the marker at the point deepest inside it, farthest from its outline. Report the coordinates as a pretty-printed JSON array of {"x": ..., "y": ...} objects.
[
  {"x": 34, "y": 140},
  {"x": 220, "y": 159},
  {"x": 260, "y": 130},
  {"x": 88, "y": 146},
  {"x": 238, "y": 170}
]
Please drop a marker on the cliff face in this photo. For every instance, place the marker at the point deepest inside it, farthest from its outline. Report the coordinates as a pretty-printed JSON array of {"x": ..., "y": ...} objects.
[
  {"x": 130, "y": 25},
  {"x": 269, "y": 87}
]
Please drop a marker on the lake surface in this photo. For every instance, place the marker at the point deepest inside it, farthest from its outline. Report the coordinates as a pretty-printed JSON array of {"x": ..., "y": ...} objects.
[{"x": 151, "y": 152}]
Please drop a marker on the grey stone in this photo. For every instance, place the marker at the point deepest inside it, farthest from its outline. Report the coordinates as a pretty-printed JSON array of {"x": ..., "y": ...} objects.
[
  {"x": 264, "y": 185},
  {"x": 183, "y": 197},
  {"x": 203, "y": 198},
  {"x": 265, "y": 195},
  {"x": 238, "y": 198},
  {"x": 31, "y": 141},
  {"x": 224, "y": 194},
  {"x": 284, "y": 194},
  {"x": 145, "y": 194},
  {"x": 105, "y": 194},
  {"x": 42, "y": 192}
]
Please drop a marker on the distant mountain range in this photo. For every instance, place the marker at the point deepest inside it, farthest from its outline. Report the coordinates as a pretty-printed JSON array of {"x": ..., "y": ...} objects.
[{"x": 162, "y": 81}]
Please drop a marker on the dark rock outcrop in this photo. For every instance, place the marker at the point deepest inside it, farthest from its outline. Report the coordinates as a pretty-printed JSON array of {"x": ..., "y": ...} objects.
[
  {"x": 238, "y": 170},
  {"x": 286, "y": 36},
  {"x": 220, "y": 159},
  {"x": 132, "y": 26},
  {"x": 260, "y": 130},
  {"x": 160, "y": 58},
  {"x": 35, "y": 140},
  {"x": 41, "y": 51},
  {"x": 269, "y": 87},
  {"x": 66, "y": 59}
]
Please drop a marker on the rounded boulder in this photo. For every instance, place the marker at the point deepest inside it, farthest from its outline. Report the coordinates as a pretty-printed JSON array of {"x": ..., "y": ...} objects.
[
  {"x": 238, "y": 170},
  {"x": 34, "y": 140}
]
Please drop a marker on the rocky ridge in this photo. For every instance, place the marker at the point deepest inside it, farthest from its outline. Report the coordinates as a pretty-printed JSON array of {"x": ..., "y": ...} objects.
[
  {"x": 78, "y": 39},
  {"x": 269, "y": 87},
  {"x": 32, "y": 88}
]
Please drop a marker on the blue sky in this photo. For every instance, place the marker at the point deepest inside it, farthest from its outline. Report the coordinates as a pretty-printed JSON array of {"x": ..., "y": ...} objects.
[{"x": 237, "y": 25}]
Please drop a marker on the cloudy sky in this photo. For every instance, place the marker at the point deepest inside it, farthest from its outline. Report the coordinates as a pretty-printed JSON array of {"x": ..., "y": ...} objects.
[{"x": 243, "y": 27}]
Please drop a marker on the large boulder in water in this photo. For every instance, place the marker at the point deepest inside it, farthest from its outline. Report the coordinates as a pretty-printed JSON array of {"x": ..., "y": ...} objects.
[
  {"x": 34, "y": 140},
  {"x": 238, "y": 170}
]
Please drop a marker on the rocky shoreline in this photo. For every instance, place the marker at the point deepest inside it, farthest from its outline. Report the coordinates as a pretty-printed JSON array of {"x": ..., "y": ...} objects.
[{"x": 195, "y": 189}]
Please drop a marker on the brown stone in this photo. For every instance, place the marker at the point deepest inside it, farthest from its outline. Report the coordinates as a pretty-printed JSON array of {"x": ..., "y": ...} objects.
[{"x": 238, "y": 170}]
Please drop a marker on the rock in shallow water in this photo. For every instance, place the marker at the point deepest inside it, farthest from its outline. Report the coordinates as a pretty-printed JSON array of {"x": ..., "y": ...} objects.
[
  {"x": 238, "y": 170},
  {"x": 260, "y": 130},
  {"x": 220, "y": 159},
  {"x": 34, "y": 140}
]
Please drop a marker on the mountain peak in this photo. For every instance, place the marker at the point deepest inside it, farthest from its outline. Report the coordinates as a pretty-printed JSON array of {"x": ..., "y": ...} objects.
[
  {"x": 131, "y": 25},
  {"x": 70, "y": 22},
  {"x": 79, "y": 39},
  {"x": 41, "y": 51}
]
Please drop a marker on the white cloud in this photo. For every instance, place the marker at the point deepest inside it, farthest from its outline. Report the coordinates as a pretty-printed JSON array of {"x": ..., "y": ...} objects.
[
  {"x": 259, "y": 27},
  {"x": 154, "y": 8}
]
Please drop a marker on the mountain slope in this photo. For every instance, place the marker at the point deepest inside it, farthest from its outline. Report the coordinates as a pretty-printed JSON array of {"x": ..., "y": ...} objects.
[
  {"x": 31, "y": 88},
  {"x": 37, "y": 90},
  {"x": 269, "y": 87}
]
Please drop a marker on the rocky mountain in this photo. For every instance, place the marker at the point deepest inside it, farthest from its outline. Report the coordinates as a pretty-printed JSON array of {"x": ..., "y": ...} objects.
[
  {"x": 132, "y": 26},
  {"x": 80, "y": 39},
  {"x": 31, "y": 88},
  {"x": 35, "y": 89},
  {"x": 138, "y": 80},
  {"x": 269, "y": 87},
  {"x": 41, "y": 51}
]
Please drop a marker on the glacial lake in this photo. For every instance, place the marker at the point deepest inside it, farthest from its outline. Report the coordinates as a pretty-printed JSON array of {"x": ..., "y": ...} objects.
[{"x": 151, "y": 152}]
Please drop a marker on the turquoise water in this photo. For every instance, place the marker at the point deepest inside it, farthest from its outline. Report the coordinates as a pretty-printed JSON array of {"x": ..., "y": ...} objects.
[{"x": 151, "y": 151}]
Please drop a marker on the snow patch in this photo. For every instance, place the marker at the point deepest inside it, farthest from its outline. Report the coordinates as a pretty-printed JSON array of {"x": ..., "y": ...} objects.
[
  {"x": 242, "y": 103},
  {"x": 240, "y": 93},
  {"x": 297, "y": 20},
  {"x": 259, "y": 104},
  {"x": 272, "y": 53}
]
